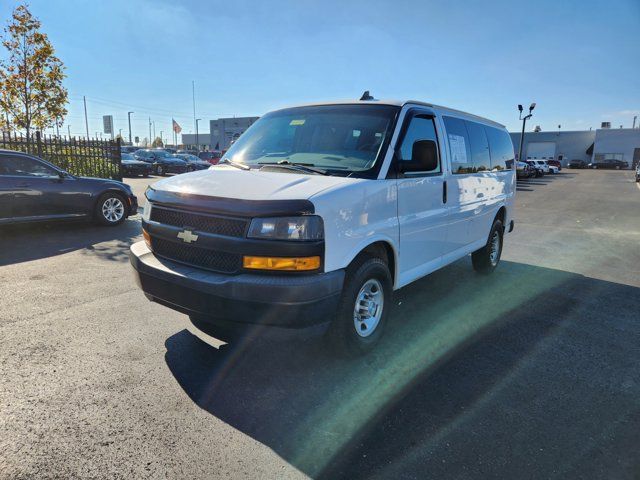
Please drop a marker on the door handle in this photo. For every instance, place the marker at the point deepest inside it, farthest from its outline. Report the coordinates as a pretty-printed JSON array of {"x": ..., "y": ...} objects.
[{"x": 444, "y": 192}]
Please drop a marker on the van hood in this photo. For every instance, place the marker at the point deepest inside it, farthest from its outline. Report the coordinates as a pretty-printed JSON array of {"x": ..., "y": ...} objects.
[{"x": 230, "y": 182}]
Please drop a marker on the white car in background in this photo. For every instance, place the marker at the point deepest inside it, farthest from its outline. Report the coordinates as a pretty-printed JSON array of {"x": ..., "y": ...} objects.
[{"x": 544, "y": 166}]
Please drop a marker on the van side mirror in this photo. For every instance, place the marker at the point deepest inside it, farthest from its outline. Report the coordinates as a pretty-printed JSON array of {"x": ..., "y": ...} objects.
[{"x": 424, "y": 157}]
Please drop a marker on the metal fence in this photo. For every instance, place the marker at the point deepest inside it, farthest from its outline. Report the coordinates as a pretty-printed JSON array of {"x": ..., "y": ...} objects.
[{"x": 87, "y": 157}]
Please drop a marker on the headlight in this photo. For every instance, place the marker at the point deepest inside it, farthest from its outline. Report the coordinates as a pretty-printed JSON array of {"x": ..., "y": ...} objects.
[
  {"x": 146, "y": 212},
  {"x": 308, "y": 227}
]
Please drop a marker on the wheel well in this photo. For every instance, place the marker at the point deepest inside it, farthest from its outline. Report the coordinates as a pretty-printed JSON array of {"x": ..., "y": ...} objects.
[
  {"x": 381, "y": 250},
  {"x": 502, "y": 215}
]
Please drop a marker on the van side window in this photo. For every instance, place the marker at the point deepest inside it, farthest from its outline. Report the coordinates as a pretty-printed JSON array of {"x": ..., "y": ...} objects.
[
  {"x": 479, "y": 147},
  {"x": 501, "y": 148},
  {"x": 459, "y": 146},
  {"x": 420, "y": 128}
]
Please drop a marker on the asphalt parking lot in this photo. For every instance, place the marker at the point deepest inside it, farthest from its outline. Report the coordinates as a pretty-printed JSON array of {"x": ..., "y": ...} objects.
[{"x": 529, "y": 373}]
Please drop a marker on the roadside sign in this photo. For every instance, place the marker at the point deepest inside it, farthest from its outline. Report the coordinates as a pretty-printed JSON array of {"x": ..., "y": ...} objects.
[
  {"x": 137, "y": 139},
  {"x": 107, "y": 123}
]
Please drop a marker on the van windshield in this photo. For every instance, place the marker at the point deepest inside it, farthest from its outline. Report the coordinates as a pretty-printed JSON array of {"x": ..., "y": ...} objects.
[{"x": 338, "y": 138}]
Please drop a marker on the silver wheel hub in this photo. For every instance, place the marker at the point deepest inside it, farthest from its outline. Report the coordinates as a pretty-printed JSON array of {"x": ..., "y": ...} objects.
[
  {"x": 494, "y": 248},
  {"x": 367, "y": 310},
  {"x": 113, "y": 209}
]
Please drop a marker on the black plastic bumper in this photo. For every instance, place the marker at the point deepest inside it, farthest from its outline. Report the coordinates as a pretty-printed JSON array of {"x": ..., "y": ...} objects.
[{"x": 294, "y": 301}]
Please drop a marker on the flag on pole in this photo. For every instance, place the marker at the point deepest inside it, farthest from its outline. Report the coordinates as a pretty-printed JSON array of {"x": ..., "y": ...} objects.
[{"x": 176, "y": 128}]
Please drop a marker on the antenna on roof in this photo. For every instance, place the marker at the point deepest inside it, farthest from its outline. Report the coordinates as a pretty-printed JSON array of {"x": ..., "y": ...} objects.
[{"x": 366, "y": 96}]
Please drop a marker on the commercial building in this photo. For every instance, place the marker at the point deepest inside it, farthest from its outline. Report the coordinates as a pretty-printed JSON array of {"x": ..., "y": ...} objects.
[
  {"x": 203, "y": 143},
  {"x": 621, "y": 144},
  {"x": 226, "y": 130}
]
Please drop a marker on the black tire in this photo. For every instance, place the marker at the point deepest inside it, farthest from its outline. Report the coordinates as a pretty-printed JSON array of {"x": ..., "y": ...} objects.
[
  {"x": 367, "y": 272},
  {"x": 111, "y": 209},
  {"x": 483, "y": 260},
  {"x": 145, "y": 175},
  {"x": 160, "y": 171}
]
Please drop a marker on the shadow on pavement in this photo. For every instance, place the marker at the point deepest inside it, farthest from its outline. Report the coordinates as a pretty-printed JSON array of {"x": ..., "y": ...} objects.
[
  {"x": 22, "y": 243},
  {"x": 531, "y": 372}
]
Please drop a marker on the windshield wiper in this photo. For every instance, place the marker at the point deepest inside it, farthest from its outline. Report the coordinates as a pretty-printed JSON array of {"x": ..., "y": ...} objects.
[
  {"x": 301, "y": 167},
  {"x": 241, "y": 166}
]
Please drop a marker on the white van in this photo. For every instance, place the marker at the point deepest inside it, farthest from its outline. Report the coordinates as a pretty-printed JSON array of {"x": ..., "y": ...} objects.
[{"x": 319, "y": 212}]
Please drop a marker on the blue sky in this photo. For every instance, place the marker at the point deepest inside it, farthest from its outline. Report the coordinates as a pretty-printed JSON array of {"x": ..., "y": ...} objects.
[{"x": 579, "y": 60}]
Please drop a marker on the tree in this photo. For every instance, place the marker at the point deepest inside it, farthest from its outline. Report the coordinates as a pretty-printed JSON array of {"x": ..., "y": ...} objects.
[
  {"x": 157, "y": 143},
  {"x": 31, "y": 78}
]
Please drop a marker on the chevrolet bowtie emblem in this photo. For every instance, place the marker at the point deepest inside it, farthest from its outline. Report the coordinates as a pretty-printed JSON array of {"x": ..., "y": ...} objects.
[{"x": 187, "y": 236}]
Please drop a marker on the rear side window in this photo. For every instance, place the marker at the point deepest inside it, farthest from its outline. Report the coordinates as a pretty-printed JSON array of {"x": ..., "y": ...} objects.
[
  {"x": 479, "y": 147},
  {"x": 501, "y": 148},
  {"x": 459, "y": 146},
  {"x": 24, "y": 167}
]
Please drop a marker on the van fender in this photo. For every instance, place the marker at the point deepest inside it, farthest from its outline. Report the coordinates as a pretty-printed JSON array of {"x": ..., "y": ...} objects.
[{"x": 361, "y": 246}]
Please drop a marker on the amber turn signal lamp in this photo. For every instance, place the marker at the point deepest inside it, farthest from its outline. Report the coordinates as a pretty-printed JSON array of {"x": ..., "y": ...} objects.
[
  {"x": 147, "y": 238},
  {"x": 295, "y": 264}
]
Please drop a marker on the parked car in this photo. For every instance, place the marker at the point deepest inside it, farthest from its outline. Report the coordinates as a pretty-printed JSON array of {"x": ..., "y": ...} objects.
[
  {"x": 576, "y": 163},
  {"x": 609, "y": 163},
  {"x": 283, "y": 233},
  {"x": 212, "y": 157},
  {"x": 128, "y": 149},
  {"x": 193, "y": 162},
  {"x": 162, "y": 162},
  {"x": 552, "y": 168},
  {"x": 555, "y": 163},
  {"x": 132, "y": 167},
  {"x": 538, "y": 169},
  {"x": 32, "y": 189},
  {"x": 523, "y": 170},
  {"x": 638, "y": 173},
  {"x": 190, "y": 152}
]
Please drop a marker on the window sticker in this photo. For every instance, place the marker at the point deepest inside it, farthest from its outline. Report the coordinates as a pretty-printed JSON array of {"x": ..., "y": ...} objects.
[
  {"x": 297, "y": 122},
  {"x": 458, "y": 149}
]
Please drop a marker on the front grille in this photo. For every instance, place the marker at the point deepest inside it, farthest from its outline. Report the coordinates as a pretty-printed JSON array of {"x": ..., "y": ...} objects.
[
  {"x": 228, "y": 227},
  {"x": 198, "y": 257}
]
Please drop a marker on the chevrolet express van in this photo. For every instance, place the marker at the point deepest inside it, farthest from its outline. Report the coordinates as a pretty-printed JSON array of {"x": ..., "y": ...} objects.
[{"x": 319, "y": 212}]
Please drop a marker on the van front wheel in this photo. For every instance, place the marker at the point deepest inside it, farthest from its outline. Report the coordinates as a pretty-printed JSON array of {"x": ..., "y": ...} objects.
[
  {"x": 487, "y": 258},
  {"x": 363, "y": 308}
]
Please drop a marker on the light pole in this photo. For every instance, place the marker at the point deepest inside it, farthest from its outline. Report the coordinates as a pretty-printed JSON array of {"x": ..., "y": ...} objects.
[
  {"x": 524, "y": 121},
  {"x": 69, "y": 130},
  {"x": 150, "y": 141},
  {"x": 197, "y": 138},
  {"x": 162, "y": 141},
  {"x": 129, "y": 116}
]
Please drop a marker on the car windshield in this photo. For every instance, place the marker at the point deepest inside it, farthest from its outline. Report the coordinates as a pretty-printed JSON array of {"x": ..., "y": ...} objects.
[
  {"x": 127, "y": 156},
  {"x": 332, "y": 137}
]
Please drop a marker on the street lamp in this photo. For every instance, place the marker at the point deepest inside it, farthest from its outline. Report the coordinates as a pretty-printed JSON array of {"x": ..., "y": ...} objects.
[
  {"x": 162, "y": 141},
  {"x": 197, "y": 139},
  {"x": 69, "y": 130},
  {"x": 524, "y": 121},
  {"x": 129, "y": 116}
]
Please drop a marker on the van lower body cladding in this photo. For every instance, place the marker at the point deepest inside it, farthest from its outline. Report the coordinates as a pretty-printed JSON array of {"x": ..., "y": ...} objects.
[{"x": 293, "y": 301}]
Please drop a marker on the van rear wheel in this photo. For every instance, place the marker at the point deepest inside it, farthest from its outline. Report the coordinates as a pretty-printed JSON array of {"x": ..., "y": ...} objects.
[
  {"x": 363, "y": 309},
  {"x": 487, "y": 258}
]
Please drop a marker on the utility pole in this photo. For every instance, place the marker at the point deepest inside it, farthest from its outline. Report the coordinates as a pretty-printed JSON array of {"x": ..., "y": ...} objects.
[
  {"x": 150, "y": 141},
  {"x": 161, "y": 137},
  {"x": 524, "y": 121},
  {"x": 130, "y": 138},
  {"x": 634, "y": 121},
  {"x": 86, "y": 122},
  {"x": 193, "y": 91},
  {"x": 69, "y": 130},
  {"x": 197, "y": 139},
  {"x": 154, "y": 129}
]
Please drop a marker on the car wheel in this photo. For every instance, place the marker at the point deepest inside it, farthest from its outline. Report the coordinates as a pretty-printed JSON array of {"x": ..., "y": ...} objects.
[
  {"x": 110, "y": 209},
  {"x": 160, "y": 171},
  {"x": 145, "y": 175},
  {"x": 487, "y": 258},
  {"x": 363, "y": 308},
  {"x": 617, "y": 167}
]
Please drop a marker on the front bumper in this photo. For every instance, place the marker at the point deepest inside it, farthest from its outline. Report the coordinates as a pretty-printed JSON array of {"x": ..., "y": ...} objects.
[{"x": 294, "y": 301}]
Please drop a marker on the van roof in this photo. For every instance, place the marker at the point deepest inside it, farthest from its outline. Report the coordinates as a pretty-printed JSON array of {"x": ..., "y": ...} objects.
[{"x": 398, "y": 103}]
